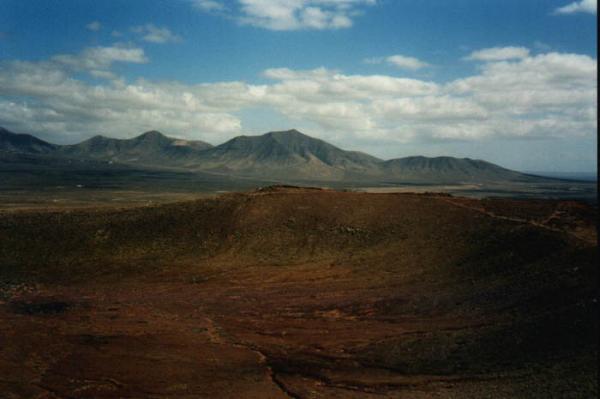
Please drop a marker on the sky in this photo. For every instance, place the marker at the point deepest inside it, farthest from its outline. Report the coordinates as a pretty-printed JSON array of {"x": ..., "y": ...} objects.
[{"x": 513, "y": 82}]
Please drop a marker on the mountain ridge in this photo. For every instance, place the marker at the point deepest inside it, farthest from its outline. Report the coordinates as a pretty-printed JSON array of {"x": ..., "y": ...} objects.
[
  {"x": 149, "y": 147},
  {"x": 20, "y": 142},
  {"x": 285, "y": 155}
]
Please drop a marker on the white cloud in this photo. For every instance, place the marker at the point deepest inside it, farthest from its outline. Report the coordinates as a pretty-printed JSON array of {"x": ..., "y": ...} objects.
[
  {"x": 585, "y": 6},
  {"x": 542, "y": 96},
  {"x": 399, "y": 61},
  {"x": 499, "y": 54},
  {"x": 322, "y": 83},
  {"x": 208, "y": 5},
  {"x": 535, "y": 96},
  {"x": 59, "y": 104},
  {"x": 402, "y": 61},
  {"x": 442, "y": 108},
  {"x": 94, "y": 26},
  {"x": 289, "y": 14},
  {"x": 154, "y": 34},
  {"x": 101, "y": 58}
]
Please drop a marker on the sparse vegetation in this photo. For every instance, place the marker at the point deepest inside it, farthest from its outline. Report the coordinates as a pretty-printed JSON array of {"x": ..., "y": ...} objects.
[{"x": 301, "y": 293}]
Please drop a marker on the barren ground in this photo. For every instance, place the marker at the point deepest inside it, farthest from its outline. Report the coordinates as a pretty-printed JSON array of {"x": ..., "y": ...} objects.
[{"x": 299, "y": 293}]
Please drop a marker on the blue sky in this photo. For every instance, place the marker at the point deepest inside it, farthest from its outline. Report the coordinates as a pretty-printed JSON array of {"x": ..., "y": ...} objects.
[{"x": 391, "y": 77}]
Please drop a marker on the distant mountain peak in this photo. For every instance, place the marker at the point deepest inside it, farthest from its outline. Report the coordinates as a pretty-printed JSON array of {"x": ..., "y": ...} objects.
[
  {"x": 99, "y": 137},
  {"x": 151, "y": 135},
  {"x": 289, "y": 131}
]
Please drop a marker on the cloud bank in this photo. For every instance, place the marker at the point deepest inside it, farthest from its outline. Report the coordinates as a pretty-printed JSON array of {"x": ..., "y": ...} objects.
[
  {"x": 512, "y": 95},
  {"x": 288, "y": 14}
]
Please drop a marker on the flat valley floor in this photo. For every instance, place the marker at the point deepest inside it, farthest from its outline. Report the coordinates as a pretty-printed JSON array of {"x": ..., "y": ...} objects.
[{"x": 301, "y": 293}]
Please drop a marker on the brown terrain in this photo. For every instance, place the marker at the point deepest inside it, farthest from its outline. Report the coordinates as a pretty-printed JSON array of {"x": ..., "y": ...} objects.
[{"x": 301, "y": 293}]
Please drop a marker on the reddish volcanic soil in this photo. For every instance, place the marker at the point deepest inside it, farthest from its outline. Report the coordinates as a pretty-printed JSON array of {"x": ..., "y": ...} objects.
[{"x": 298, "y": 293}]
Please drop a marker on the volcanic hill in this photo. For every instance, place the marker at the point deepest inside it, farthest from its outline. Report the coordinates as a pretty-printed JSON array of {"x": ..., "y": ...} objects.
[{"x": 301, "y": 293}]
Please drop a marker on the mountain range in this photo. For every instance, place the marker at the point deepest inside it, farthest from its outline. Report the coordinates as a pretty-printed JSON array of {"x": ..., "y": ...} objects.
[
  {"x": 284, "y": 155},
  {"x": 151, "y": 148}
]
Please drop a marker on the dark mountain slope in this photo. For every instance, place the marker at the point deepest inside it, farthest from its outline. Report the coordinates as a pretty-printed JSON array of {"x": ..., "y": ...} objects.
[
  {"x": 300, "y": 143},
  {"x": 448, "y": 169},
  {"x": 287, "y": 155},
  {"x": 23, "y": 143},
  {"x": 291, "y": 155},
  {"x": 151, "y": 148}
]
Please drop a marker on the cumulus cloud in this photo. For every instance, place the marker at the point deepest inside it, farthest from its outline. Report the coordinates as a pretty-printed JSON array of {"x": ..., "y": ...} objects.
[
  {"x": 47, "y": 97},
  {"x": 289, "y": 14},
  {"x": 56, "y": 103},
  {"x": 322, "y": 83},
  {"x": 585, "y": 6},
  {"x": 335, "y": 101},
  {"x": 549, "y": 95},
  {"x": 499, "y": 54},
  {"x": 399, "y": 61},
  {"x": 536, "y": 96},
  {"x": 94, "y": 26},
  {"x": 154, "y": 34},
  {"x": 541, "y": 96}
]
